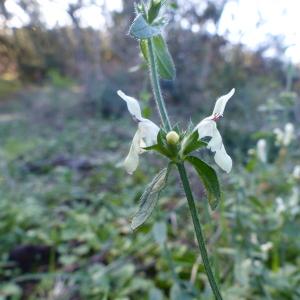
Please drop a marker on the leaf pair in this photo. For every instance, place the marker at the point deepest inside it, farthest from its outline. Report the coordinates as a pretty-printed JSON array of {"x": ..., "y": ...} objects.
[{"x": 151, "y": 33}]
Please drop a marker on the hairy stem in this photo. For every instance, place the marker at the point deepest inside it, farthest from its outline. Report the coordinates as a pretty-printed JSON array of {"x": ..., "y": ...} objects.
[
  {"x": 156, "y": 87},
  {"x": 198, "y": 230}
]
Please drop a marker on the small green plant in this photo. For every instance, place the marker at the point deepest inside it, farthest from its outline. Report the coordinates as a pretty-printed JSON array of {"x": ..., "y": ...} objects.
[{"x": 176, "y": 145}]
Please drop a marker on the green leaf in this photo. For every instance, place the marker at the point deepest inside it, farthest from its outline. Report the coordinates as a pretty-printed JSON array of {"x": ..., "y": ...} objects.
[
  {"x": 159, "y": 149},
  {"x": 144, "y": 49},
  {"x": 140, "y": 28},
  {"x": 149, "y": 198},
  {"x": 165, "y": 64},
  {"x": 191, "y": 143},
  {"x": 209, "y": 178},
  {"x": 154, "y": 9}
]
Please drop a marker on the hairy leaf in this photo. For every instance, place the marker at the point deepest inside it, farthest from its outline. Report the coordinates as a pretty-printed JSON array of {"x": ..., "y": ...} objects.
[
  {"x": 164, "y": 61},
  {"x": 149, "y": 198},
  {"x": 166, "y": 66},
  {"x": 140, "y": 28}
]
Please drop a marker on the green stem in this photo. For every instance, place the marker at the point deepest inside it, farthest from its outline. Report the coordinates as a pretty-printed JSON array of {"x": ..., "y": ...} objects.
[
  {"x": 156, "y": 87},
  {"x": 198, "y": 230}
]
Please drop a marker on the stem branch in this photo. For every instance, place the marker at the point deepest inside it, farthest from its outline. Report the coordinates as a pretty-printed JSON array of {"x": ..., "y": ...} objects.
[
  {"x": 156, "y": 87},
  {"x": 198, "y": 230}
]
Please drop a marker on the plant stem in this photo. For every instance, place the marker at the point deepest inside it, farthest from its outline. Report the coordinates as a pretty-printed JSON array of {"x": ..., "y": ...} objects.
[
  {"x": 156, "y": 87},
  {"x": 198, "y": 230},
  {"x": 181, "y": 168}
]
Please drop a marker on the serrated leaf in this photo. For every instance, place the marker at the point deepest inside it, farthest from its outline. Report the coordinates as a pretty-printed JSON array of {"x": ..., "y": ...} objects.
[
  {"x": 141, "y": 29},
  {"x": 191, "y": 143},
  {"x": 209, "y": 178},
  {"x": 149, "y": 198},
  {"x": 164, "y": 60}
]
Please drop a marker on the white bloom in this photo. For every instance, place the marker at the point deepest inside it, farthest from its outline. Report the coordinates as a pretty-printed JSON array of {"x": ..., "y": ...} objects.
[
  {"x": 208, "y": 128},
  {"x": 261, "y": 149},
  {"x": 294, "y": 200},
  {"x": 266, "y": 247},
  {"x": 145, "y": 135},
  {"x": 279, "y": 136},
  {"x": 285, "y": 137},
  {"x": 296, "y": 172},
  {"x": 281, "y": 207},
  {"x": 289, "y": 131}
]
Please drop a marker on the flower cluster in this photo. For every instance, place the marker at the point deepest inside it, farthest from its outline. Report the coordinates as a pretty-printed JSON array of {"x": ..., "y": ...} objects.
[
  {"x": 146, "y": 134},
  {"x": 286, "y": 136}
]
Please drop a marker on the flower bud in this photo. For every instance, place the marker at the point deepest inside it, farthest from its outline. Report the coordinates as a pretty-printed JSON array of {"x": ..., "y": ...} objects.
[{"x": 172, "y": 138}]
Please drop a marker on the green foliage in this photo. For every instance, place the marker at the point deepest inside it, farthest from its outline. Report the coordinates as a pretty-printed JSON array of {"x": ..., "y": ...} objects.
[
  {"x": 60, "y": 186},
  {"x": 209, "y": 178},
  {"x": 165, "y": 64},
  {"x": 155, "y": 6},
  {"x": 58, "y": 192},
  {"x": 191, "y": 143},
  {"x": 141, "y": 29},
  {"x": 149, "y": 198}
]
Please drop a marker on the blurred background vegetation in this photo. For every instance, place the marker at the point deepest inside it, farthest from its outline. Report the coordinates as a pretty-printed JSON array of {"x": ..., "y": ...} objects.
[{"x": 65, "y": 205}]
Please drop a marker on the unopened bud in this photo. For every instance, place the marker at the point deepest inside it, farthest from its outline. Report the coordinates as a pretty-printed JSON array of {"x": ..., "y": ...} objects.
[{"x": 172, "y": 138}]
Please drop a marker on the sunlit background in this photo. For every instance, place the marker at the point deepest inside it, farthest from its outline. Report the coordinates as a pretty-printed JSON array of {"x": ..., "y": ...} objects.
[{"x": 65, "y": 200}]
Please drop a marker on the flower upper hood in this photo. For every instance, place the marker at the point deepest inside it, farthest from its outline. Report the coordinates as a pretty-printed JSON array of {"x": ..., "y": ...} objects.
[{"x": 208, "y": 128}]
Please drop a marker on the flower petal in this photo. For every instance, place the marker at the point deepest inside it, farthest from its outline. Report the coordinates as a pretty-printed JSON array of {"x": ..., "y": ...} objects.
[
  {"x": 262, "y": 150},
  {"x": 216, "y": 143},
  {"x": 206, "y": 127},
  {"x": 221, "y": 103},
  {"x": 132, "y": 105},
  {"x": 149, "y": 132},
  {"x": 132, "y": 160},
  {"x": 223, "y": 160}
]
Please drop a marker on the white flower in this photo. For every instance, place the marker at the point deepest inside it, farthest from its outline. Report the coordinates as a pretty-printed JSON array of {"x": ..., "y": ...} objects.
[
  {"x": 289, "y": 131},
  {"x": 279, "y": 136},
  {"x": 285, "y": 137},
  {"x": 266, "y": 247},
  {"x": 281, "y": 207},
  {"x": 296, "y": 172},
  {"x": 261, "y": 149},
  {"x": 145, "y": 135},
  {"x": 208, "y": 128},
  {"x": 294, "y": 200}
]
